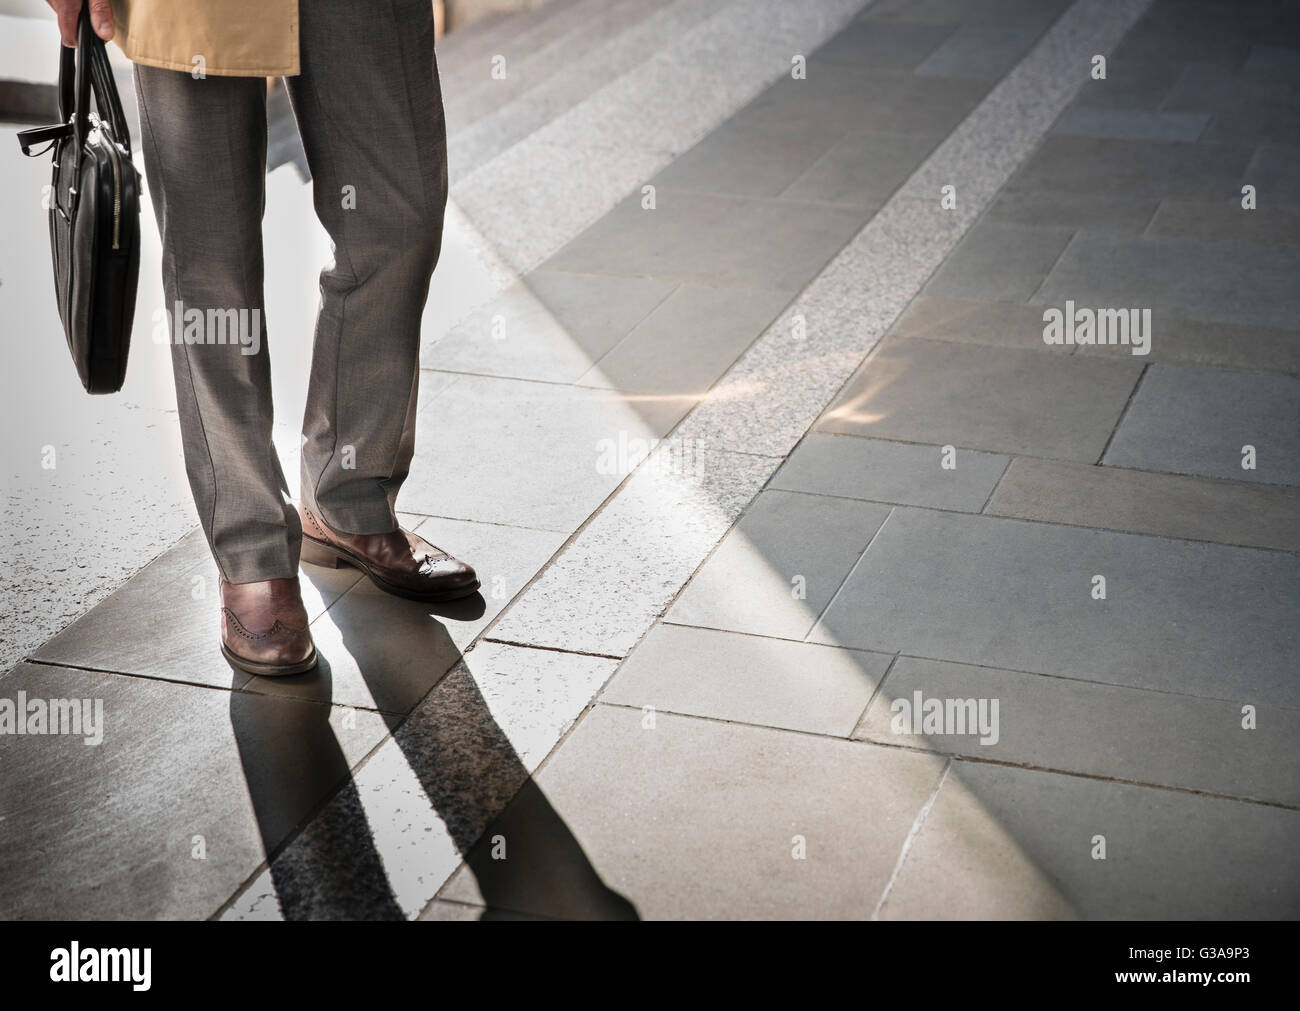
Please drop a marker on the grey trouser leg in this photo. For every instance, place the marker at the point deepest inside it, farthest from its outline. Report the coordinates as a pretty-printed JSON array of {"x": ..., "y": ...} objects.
[{"x": 369, "y": 110}]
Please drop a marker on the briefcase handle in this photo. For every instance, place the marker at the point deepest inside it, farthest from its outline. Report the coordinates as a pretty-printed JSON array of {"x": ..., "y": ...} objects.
[{"x": 83, "y": 71}]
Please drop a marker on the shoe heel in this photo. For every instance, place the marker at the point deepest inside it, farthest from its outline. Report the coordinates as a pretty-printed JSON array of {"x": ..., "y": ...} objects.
[{"x": 315, "y": 553}]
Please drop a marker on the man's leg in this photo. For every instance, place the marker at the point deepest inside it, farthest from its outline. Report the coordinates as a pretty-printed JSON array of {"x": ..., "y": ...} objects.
[
  {"x": 369, "y": 109},
  {"x": 204, "y": 147},
  {"x": 205, "y": 153}
]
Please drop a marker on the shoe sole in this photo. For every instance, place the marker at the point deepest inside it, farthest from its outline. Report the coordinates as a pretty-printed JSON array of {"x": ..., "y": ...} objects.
[
  {"x": 269, "y": 670},
  {"x": 317, "y": 552}
]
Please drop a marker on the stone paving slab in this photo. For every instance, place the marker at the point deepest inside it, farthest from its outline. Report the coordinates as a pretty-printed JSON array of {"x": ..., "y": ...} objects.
[
  {"x": 1132, "y": 124},
  {"x": 1186, "y": 219},
  {"x": 1001, "y": 262},
  {"x": 748, "y": 679},
  {"x": 1158, "y": 170},
  {"x": 1003, "y": 400},
  {"x": 713, "y": 239},
  {"x": 847, "y": 100},
  {"x": 781, "y": 564},
  {"x": 382, "y": 847},
  {"x": 964, "y": 320},
  {"x": 549, "y": 326},
  {"x": 1180, "y": 616},
  {"x": 895, "y": 472},
  {"x": 1097, "y": 730},
  {"x": 745, "y": 163},
  {"x": 1140, "y": 502},
  {"x": 164, "y": 622},
  {"x": 1229, "y": 282},
  {"x": 861, "y": 169},
  {"x": 1063, "y": 209},
  {"x": 112, "y": 830},
  {"x": 1222, "y": 345},
  {"x": 883, "y": 45},
  {"x": 698, "y": 820},
  {"x": 1021, "y": 844},
  {"x": 686, "y": 342},
  {"x": 1270, "y": 172},
  {"x": 1197, "y": 421},
  {"x": 545, "y": 469},
  {"x": 645, "y": 544},
  {"x": 981, "y": 51}
]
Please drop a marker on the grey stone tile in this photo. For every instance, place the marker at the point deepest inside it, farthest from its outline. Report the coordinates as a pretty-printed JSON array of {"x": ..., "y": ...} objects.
[
  {"x": 620, "y": 572},
  {"x": 1039, "y": 13},
  {"x": 1211, "y": 222},
  {"x": 1131, "y": 84},
  {"x": 967, "y": 321},
  {"x": 881, "y": 45},
  {"x": 1134, "y": 168},
  {"x": 748, "y": 679},
  {"x": 1197, "y": 421},
  {"x": 1002, "y": 262},
  {"x": 687, "y": 342},
  {"x": 785, "y": 544},
  {"x": 546, "y": 467},
  {"x": 1272, "y": 172},
  {"x": 1275, "y": 123},
  {"x": 745, "y": 163},
  {"x": 981, "y": 51},
  {"x": 713, "y": 239},
  {"x": 549, "y": 326},
  {"x": 1095, "y": 730},
  {"x": 1098, "y": 211},
  {"x": 855, "y": 100},
  {"x": 1003, "y": 400},
  {"x": 1137, "y": 501},
  {"x": 113, "y": 834},
  {"x": 385, "y": 652},
  {"x": 862, "y": 169},
  {"x": 425, "y": 795},
  {"x": 1135, "y": 124},
  {"x": 1004, "y": 843},
  {"x": 897, "y": 472},
  {"x": 1271, "y": 61},
  {"x": 1226, "y": 345},
  {"x": 698, "y": 820},
  {"x": 1181, "y": 616},
  {"x": 165, "y": 621},
  {"x": 1229, "y": 282}
]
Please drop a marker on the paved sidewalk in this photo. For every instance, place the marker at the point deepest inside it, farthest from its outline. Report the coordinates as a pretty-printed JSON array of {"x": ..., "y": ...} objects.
[{"x": 877, "y": 487}]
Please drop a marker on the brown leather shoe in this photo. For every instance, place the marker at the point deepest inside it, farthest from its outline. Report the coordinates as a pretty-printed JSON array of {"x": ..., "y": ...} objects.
[
  {"x": 264, "y": 627},
  {"x": 399, "y": 562}
]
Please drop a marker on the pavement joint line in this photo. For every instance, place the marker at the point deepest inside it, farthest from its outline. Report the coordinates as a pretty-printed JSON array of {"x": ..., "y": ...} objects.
[
  {"x": 1132, "y": 395},
  {"x": 915, "y": 831},
  {"x": 1048, "y": 273},
  {"x": 996, "y": 485},
  {"x": 954, "y": 756},
  {"x": 875, "y": 692},
  {"x": 904, "y": 655},
  {"x": 548, "y": 649},
  {"x": 849, "y": 575}
]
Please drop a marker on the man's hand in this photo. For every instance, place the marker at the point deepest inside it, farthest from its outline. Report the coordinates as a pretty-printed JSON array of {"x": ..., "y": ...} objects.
[{"x": 101, "y": 18}]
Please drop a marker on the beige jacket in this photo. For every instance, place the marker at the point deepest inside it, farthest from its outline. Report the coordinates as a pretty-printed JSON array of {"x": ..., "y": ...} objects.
[{"x": 224, "y": 38}]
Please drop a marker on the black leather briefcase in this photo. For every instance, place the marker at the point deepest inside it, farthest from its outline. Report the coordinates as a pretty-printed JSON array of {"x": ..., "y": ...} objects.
[{"x": 94, "y": 206}]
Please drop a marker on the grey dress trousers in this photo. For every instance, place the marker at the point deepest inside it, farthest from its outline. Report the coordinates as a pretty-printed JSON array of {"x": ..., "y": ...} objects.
[{"x": 369, "y": 110}]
